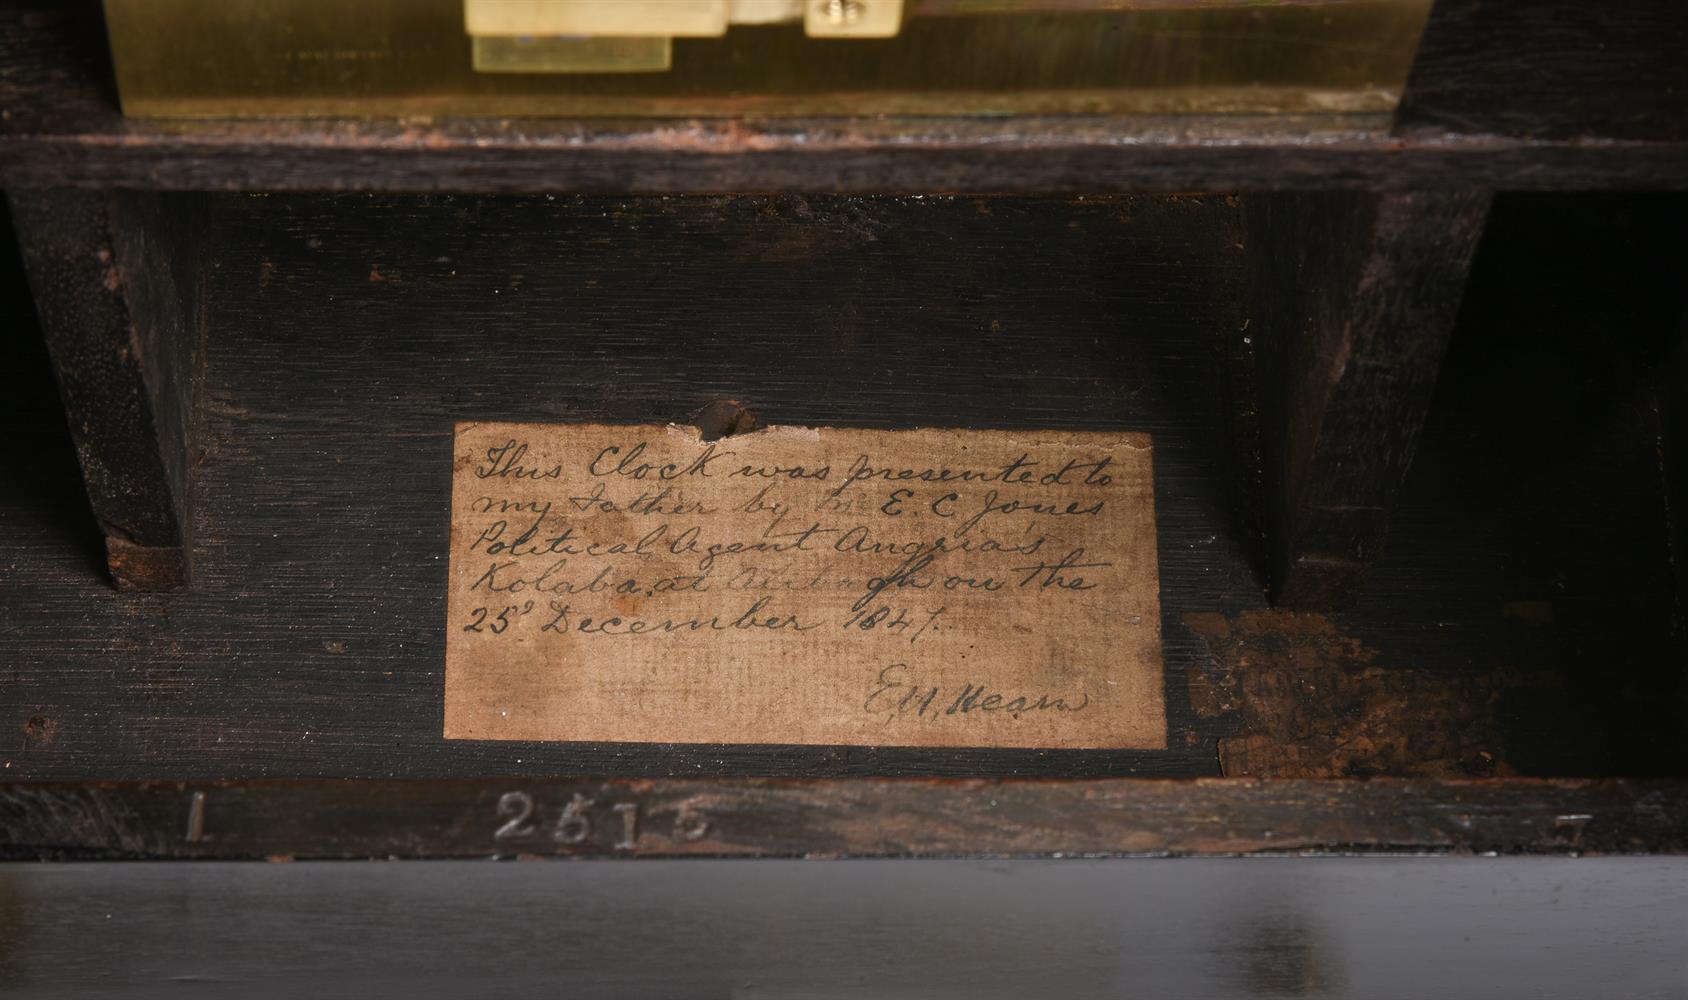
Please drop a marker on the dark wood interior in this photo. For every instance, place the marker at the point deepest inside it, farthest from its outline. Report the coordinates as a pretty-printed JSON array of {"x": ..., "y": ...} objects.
[
  {"x": 1523, "y": 617},
  {"x": 1416, "y": 385}
]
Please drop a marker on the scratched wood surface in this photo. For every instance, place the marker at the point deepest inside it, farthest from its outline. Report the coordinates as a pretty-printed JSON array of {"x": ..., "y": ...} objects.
[
  {"x": 1519, "y": 622},
  {"x": 834, "y": 817}
]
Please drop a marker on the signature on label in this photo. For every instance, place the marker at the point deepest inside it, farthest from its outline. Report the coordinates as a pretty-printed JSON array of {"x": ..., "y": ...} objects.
[{"x": 896, "y": 693}]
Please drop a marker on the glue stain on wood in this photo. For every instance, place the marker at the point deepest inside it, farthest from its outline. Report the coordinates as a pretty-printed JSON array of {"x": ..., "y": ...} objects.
[{"x": 1302, "y": 699}]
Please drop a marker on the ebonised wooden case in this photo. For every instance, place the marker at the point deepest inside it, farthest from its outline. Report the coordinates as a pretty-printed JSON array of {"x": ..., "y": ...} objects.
[{"x": 1415, "y": 386}]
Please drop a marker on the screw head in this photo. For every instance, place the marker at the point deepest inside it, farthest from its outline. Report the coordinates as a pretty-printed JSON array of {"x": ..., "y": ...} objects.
[{"x": 841, "y": 13}]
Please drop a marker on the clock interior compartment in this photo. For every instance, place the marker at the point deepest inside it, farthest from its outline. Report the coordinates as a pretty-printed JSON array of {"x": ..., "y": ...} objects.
[{"x": 1522, "y": 616}]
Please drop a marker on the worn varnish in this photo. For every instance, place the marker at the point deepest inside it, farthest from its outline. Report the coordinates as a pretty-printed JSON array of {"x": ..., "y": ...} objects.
[
  {"x": 115, "y": 286},
  {"x": 127, "y": 436},
  {"x": 835, "y": 817}
]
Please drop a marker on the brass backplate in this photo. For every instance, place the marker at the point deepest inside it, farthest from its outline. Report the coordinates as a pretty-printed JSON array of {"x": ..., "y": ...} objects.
[{"x": 368, "y": 58}]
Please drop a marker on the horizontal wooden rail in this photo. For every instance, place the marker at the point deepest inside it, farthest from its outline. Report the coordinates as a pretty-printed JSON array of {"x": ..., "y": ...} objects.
[{"x": 857, "y": 817}]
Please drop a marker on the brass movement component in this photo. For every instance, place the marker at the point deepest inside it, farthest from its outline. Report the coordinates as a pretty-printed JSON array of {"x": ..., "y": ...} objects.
[
  {"x": 629, "y": 36},
  {"x": 692, "y": 58},
  {"x": 615, "y": 18},
  {"x": 853, "y": 18}
]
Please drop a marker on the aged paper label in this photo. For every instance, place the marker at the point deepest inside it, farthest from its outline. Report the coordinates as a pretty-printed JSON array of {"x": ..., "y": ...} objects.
[{"x": 795, "y": 586}]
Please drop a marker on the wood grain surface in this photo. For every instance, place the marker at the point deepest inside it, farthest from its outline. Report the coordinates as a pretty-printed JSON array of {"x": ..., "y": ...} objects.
[
  {"x": 1354, "y": 298},
  {"x": 1519, "y": 620}
]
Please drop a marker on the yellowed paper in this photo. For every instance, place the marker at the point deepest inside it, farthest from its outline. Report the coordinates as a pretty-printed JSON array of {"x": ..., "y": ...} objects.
[{"x": 797, "y": 586}]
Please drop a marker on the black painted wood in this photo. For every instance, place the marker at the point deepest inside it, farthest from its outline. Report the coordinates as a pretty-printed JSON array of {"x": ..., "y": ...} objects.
[
  {"x": 1671, "y": 319},
  {"x": 346, "y": 335},
  {"x": 1529, "y": 531},
  {"x": 1518, "y": 622},
  {"x": 1674, "y": 417},
  {"x": 110, "y": 281},
  {"x": 1353, "y": 297},
  {"x": 157, "y": 247},
  {"x": 839, "y": 817},
  {"x": 1563, "y": 71},
  {"x": 1545, "y": 929},
  {"x": 1519, "y": 619},
  {"x": 63, "y": 128}
]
